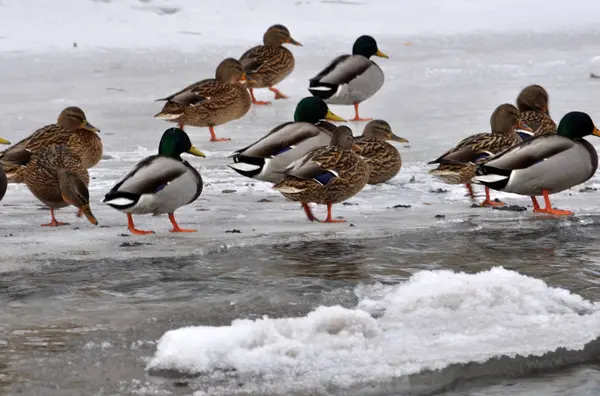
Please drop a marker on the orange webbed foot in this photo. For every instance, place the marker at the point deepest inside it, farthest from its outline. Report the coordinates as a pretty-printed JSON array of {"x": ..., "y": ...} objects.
[
  {"x": 216, "y": 139},
  {"x": 54, "y": 223},
  {"x": 489, "y": 203},
  {"x": 360, "y": 119},
  {"x": 183, "y": 230},
  {"x": 556, "y": 212},
  {"x": 135, "y": 231}
]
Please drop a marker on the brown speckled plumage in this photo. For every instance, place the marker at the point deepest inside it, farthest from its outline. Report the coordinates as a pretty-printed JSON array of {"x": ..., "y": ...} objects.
[
  {"x": 270, "y": 63},
  {"x": 384, "y": 160},
  {"x": 533, "y": 104},
  {"x": 210, "y": 102},
  {"x": 473, "y": 150},
  {"x": 351, "y": 175},
  {"x": 71, "y": 130}
]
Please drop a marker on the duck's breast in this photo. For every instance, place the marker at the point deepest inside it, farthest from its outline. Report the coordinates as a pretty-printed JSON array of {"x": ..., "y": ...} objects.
[{"x": 556, "y": 173}]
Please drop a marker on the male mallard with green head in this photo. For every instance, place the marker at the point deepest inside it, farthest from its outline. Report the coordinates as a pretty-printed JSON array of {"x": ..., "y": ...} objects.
[
  {"x": 384, "y": 160},
  {"x": 350, "y": 79},
  {"x": 326, "y": 175},
  {"x": 210, "y": 102},
  {"x": 160, "y": 183},
  {"x": 545, "y": 164},
  {"x": 267, "y": 158},
  {"x": 458, "y": 165},
  {"x": 270, "y": 63}
]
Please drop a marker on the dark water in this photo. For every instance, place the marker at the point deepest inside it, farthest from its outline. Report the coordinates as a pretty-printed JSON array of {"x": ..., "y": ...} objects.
[{"x": 74, "y": 327}]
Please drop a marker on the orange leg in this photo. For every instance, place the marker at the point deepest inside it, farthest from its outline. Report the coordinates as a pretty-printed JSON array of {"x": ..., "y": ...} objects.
[
  {"x": 278, "y": 93},
  {"x": 309, "y": 212},
  {"x": 53, "y": 223},
  {"x": 488, "y": 201},
  {"x": 257, "y": 102},
  {"x": 176, "y": 227},
  {"x": 548, "y": 209},
  {"x": 213, "y": 136},
  {"x": 470, "y": 191},
  {"x": 80, "y": 213},
  {"x": 536, "y": 205},
  {"x": 132, "y": 228},
  {"x": 329, "y": 219},
  {"x": 180, "y": 125},
  {"x": 357, "y": 117}
]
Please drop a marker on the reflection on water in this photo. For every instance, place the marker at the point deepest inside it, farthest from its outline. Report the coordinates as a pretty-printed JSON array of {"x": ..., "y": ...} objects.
[{"x": 127, "y": 304}]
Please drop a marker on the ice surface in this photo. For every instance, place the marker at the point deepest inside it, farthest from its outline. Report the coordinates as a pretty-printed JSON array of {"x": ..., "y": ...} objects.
[
  {"x": 435, "y": 319},
  {"x": 191, "y": 25}
]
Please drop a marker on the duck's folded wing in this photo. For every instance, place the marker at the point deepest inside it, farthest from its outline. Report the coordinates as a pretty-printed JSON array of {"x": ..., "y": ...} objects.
[
  {"x": 257, "y": 57},
  {"x": 311, "y": 166},
  {"x": 530, "y": 152},
  {"x": 468, "y": 150},
  {"x": 341, "y": 70},
  {"x": 149, "y": 176},
  {"x": 196, "y": 93},
  {"x": 280, "y": 139},
  {"x": 43, "y": 137}
]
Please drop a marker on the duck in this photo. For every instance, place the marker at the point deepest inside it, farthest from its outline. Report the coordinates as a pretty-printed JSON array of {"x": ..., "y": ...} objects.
[
  {"x": 210, "y": 102},
  {"x": 270, "y": 63},
  {"x": 351, "y": 79},
  {"x": 545, "y": 164},
  {"x": 57, "y": 177},
  {"x": 326, "y": 175},
  {"x": 71, "y": 130},
  {"x": 3, "y": 178},
  {"x": 268, "y": 157},
  {"x": 458, "y": 165},
  {"x": 532, "y": 102},
  {"x": 160, "y": 183},
  {"x": 383, "y": 159}
]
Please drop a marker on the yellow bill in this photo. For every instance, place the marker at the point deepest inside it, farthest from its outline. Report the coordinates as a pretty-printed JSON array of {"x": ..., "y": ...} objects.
[
  {"x": 89, "y": 127},
  {"x": 194, "y": 151},
  {"x": 381, "y": 54},
  {"x": 396, "y": 138},
  {"x": 332, "y": 117},
  {"x": 596, "y": 132},
  {"x": 294, "y": 42},
  {"x": 4, "y": 141}
]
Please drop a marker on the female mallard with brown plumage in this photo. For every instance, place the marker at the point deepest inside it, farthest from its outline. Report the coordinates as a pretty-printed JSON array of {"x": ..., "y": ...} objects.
[
  {"x": 270, "y": 63},
  {"x": 383, "y": 159},
  {"x": 458, "y": 165},
  {"x": 326, "y": 175},
  {"x": 72, "y": 130},
  {"x": 210, "y": 102},
  {"x": 533, "y": 105},
  {"x": 56, "y": 176}
]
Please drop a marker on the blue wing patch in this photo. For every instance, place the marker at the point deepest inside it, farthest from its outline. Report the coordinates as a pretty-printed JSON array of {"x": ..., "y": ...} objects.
[
  {"x": 480, "y": 157},
  {"x": 283, "y": 150},
  {"x": 325, "y": 177},
  {"x": 160, "y": 188}
]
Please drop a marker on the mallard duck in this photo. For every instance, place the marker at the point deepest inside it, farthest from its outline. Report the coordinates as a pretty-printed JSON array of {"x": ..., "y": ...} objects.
[
  {"x": 72, "y": 130},
  {"x": 160, "y": 183},
  {"x": 533, "y": 105},
  {"x": 267, "y": 158},
  {"x": 458, "y": 165},
  {"x": 545, "y": 164},
  {"x": 326, "y": 175},
  {"x": 3, "y": 178},
  {"x": 210, "y": 102},
  {"x": 350, "y": 79},
  {"x": 383, "y": 159},
  {"x": 270, "y": 63},
  {"x": 56, "y": 176}
]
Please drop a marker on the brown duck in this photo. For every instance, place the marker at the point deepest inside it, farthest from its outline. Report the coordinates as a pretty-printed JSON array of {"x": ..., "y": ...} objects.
[
  {"x": 458, "y": 165},
  {"x": 533, "y": 105},
  {"x": 270, "y": 63},
  {"x": 56, "y": 176},
  {"x": 210, "y": 102},
  {"x": 383, "y": 159},
  {"x": 72, "y": 130},
  {"x": 326, "y": 175}
]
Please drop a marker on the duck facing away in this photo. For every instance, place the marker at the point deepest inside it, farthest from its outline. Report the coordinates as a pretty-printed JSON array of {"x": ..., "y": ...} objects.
[
  {"x": 326, "y": 175},
  {"x": 56, "y": 176},
  {"x": 270, "y": 63},
  {"x": 210, "y": 102},
  {"x": 160, "y": 183},
  {"x": 350, "y": 79},
  {"x": 545, "y": 164},
  {"x": 71, "y": 130},
  {"x": 3, "y": 178},
  {"x": 458, "y": 165},
  {"x": 383, "y": 159},
  {"x": 532, "y": 102},
  {"x": 267, "y": 158}
]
